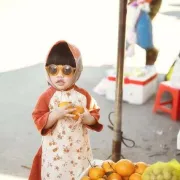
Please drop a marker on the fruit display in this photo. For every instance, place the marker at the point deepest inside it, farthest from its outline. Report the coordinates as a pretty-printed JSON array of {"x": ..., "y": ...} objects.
[
  {"x": 79, "y": 109},
  {"x": 125, "y": 169},
  {"x": 163, "y": 171}
]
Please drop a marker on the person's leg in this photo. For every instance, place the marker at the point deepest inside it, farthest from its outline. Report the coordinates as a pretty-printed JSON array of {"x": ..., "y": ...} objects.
[
  {"x": 151, "y": 56},
  {"x": 154, "y": 6}
]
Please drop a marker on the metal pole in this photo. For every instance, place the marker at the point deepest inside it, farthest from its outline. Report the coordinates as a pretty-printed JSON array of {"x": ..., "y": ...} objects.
[{"x": 117, "y": 138}]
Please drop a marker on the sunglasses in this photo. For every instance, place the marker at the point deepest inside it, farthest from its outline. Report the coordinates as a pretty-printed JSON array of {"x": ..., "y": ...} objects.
[{"x": 66, "y": 70}]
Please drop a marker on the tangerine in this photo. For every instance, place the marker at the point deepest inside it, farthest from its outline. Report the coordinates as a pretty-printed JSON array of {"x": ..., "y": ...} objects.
[
  {"x": 125, "y": 167},
  {"x": 108, "y": 166},
  {"x": 79, "y": 109},
  {"x": 135, "y": 176},
  {"x": 96, "y": 172},
  {"x": 140, "y": 167},
  {"x": 125, "y": 178},
  {"x": 114, "y": 176},
  {"x": 85, "y": 178},
  {"x": 62, "y": 104}
]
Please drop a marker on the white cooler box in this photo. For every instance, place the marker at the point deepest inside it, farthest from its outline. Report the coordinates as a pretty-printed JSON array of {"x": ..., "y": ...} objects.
[
  {"x": 136, "y": 90},
  {"x": 178, "y": 141}
]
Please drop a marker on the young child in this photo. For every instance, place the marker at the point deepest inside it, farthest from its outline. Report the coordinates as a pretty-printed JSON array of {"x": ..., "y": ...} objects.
[{"x": 65, "y": 151}]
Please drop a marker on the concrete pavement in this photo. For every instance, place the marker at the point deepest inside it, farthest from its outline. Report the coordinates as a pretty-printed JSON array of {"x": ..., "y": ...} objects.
[{"x": 154, "y": 134}]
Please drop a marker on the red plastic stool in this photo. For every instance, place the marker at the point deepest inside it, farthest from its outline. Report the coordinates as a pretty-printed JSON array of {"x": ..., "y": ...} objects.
[{"x": 175, "y": 101}]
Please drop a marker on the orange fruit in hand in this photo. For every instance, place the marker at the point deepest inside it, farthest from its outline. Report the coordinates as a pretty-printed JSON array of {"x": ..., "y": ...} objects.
[
  {"x": 85, "y": 178},
  {"x": 135, "y": 176},
  {"x": 114, "y": 176},
  {"x": 79, "y": 109},
  {"x": 96, "y": 172},
  {"x": 108, "y": 166},
  {"x": 140, "y": 167},
  {"x": 125, "y": 167},
  {"x": 62, "y": 104}
]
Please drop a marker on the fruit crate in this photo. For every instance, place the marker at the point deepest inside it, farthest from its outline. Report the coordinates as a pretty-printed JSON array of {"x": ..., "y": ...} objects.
[{"x": 96, "y": 162}]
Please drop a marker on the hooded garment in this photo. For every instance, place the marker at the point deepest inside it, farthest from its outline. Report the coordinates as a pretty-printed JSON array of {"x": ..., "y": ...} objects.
[
  {"x": 65, "y": 151},
  {"x": 77, "y": 57}
]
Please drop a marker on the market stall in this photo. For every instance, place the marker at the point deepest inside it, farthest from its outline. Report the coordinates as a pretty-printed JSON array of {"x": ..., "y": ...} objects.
[{"x": 124, "y": 169}]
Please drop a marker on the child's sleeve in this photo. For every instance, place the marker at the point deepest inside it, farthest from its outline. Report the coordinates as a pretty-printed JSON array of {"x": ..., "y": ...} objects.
[
  {"x": 41, "y": 113},
  {"x": 95, "y": 112},
  {"x": 93, "y": 108}
]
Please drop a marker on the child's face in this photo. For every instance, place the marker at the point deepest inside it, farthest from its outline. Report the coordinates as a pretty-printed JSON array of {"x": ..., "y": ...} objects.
[{"x": 61, "y": 76}]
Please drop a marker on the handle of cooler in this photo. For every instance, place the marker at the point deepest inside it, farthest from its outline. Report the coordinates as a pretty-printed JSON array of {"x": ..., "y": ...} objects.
[{"x": 130, "y": 81}]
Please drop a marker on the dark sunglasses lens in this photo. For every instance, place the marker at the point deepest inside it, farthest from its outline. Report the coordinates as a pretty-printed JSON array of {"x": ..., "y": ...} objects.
[
  {"x": 67, "y": 70},
  {"x": 52, "y": 69}
]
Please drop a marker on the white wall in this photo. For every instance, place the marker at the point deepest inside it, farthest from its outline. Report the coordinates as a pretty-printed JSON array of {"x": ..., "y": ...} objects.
[{"x": 29, "y": 27}]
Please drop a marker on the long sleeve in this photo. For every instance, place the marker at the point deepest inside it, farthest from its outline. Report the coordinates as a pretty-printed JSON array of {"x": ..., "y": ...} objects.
[
  {"x": 95, "y": 112},
  {"x": 93, "y": 109},
  {"x": 41, "y": 112}
]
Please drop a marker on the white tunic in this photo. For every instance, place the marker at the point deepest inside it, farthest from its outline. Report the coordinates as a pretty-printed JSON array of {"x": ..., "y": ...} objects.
[{"x": 66, "y": 151}]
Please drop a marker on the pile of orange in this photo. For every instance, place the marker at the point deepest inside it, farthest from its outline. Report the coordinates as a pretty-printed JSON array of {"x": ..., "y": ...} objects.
[{"x": 124, "y": 169}]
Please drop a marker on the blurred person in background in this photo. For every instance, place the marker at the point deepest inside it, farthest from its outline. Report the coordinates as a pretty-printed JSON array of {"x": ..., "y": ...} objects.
[{"x": 139, "y": 30}]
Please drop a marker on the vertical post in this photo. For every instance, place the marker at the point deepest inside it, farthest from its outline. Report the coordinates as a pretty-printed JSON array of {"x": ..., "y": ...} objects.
[{"x": 117, "y": 137}]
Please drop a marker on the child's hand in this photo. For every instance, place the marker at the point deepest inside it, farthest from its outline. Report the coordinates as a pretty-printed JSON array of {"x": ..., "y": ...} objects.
[
  {"x": 87, "y": 118},
  {"x": 64, "y": 111},
  {"x": 59, "y": 113}
]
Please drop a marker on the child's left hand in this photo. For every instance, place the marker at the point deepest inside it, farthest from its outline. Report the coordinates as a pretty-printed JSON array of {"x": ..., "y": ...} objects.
[{"x": 86, "y": 118}]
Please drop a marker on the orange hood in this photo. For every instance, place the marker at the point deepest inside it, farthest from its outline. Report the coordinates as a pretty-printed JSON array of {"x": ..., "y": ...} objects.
[{"x": 77, "y": 56}]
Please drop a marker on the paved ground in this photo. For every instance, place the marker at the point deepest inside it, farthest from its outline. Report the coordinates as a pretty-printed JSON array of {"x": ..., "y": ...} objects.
[{"x": 154, "y": 134}]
